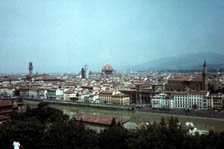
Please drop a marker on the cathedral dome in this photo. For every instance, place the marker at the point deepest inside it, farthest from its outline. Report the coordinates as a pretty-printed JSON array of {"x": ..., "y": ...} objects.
[{"x": 107, "y": 69}]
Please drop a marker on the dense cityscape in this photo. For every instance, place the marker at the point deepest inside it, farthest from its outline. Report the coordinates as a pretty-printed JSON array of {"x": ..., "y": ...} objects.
[
  {"x": 197, "y": 91},
  {"x": 197, "y": 94},
  {"x": 184, "y": 91}
]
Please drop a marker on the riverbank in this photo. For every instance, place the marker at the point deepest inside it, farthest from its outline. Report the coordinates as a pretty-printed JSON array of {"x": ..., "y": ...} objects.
[
  {"x": 137, "y": 116},
  {"x": 190, "y": 113},
  {"x": 143, "y": 117}
]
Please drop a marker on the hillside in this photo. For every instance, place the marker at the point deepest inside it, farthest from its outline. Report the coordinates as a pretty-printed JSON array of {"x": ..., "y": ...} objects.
[{"x": 184, "y": 62}]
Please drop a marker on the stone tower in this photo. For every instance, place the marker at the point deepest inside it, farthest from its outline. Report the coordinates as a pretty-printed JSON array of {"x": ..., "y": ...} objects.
[
  {"x": 205, "y": 76},
  {"x": 83, "y": 73},
  {"x": 86, "y": 71},
  {"x": 30, "y": 69}
]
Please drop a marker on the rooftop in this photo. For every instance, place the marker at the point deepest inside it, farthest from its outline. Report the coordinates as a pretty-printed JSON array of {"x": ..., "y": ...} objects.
[
  {"x": 99, "y": 119},
  {"x": 190, "y": 78}
]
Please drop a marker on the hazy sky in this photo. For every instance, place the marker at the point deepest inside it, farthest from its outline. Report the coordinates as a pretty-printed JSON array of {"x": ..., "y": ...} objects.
[{"x": 63, "y": 35}]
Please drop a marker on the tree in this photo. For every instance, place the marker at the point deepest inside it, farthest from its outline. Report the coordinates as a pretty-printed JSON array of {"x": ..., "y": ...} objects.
[
  {"x": 114, "y": 138},
  {"x": 46, "y": 127},
  {"x": 28, "y": 133},
  {"x": 70, "y": 135},
  {"x": 163, "y": 122},
  {"x": 113, "y": 123},
  {"x": 46, "y": 114},
  {"x": 173, "y": 123}
]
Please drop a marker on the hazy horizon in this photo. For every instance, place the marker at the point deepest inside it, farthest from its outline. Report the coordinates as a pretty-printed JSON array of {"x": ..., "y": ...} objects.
[{"x": 63, "y": 36}]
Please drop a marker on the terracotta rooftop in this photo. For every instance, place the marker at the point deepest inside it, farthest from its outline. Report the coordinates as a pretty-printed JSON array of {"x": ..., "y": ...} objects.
[
  {"x": 9, "y": 79},
  {"x": 49, "y": 78},
  {"x": 187, "y": 92},
  {"x": 196, "y": 78},
  {"x": 120, "y": 95},
  {"x": 69, "y": 92},
  {"x": 6, "y": 111},
  {"x": 4, "y": 117},
  {"x": 99, "y": 119},
  {"x": 5, "y": 103},
  {"x": 105, "y": 92}
]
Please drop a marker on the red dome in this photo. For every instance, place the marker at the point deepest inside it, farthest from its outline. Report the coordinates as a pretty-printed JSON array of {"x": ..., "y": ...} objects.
[{"x": 107, "y": 68}]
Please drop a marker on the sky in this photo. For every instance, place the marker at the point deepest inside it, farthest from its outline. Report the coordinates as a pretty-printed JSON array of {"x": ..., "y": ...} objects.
[{"x": 64, "y": 35}]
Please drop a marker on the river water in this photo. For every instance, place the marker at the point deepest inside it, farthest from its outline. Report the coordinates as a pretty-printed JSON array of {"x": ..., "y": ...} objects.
[{"x": 143, "y": 117}]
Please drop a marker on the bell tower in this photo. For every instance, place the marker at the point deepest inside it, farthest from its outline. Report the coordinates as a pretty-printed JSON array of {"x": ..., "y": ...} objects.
[
  {"x": 205, "y": 76},
  {"x": 30, "y": 69}
]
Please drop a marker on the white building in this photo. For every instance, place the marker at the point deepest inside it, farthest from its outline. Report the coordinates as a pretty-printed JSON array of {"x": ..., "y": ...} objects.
[
  {"x": 7, "y": 91},
  {"x": 162, "y": 101},
  {"x": 110, "y": 97},
  {"x": 191, "y": 100},
  {"x": 94, "y": 98},
  {"x": 43, "y": 92},
  {"x": 59, "y": 94},
  {"x": 195, "y": 131},
  {"x": 69, "y": 95},
  {"x": 105, "y": 96},
  {"x": 120, "y": 99},
  {"x": 33, "y": 93}
]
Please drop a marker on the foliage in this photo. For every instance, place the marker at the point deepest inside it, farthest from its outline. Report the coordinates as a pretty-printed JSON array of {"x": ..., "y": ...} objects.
[
  {"x": 113, "y": 138},
  {"x": 113, "y": 123},
  {"x": 70, "y": 135},
  {"x": 45, "y": 127},
  {"x": 28, "y": 132}
]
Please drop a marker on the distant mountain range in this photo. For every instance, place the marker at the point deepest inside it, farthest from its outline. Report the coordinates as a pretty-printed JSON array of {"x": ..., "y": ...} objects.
[{"x": 214, "y": 61}]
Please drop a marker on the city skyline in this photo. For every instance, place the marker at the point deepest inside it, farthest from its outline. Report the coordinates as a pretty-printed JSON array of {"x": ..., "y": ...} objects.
[{"x": 63, "y": 36}]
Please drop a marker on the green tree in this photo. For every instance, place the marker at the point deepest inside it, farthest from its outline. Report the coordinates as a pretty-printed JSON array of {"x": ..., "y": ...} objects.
[
  {"x": 28, "y": 133},
  {"x": 113, "y": 123},
  {"x": 114, "y": 138},
  {"x": 70, "y": 135},
  {"x": 163, "y": 122}
]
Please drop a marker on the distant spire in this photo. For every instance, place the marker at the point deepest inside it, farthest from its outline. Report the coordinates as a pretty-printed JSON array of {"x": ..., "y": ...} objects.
[
  {"x": 205, "y": 76},
  {"x": 83, "y": 73},
  {"x": 205, "y": 63},
  {"x": 30, "y": 69}
]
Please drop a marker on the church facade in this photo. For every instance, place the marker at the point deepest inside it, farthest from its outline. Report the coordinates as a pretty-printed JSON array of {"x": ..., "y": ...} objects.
[{"x": 189, "y": 82}]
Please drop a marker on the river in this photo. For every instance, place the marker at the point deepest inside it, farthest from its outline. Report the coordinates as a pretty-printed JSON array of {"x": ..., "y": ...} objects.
[{"x": 143, "y": 117}]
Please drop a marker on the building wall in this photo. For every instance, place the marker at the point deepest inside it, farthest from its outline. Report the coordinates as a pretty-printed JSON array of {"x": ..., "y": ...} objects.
[
  {"x": 216, "y": 101},
  {"x": 121, "y": 100},
  {"x": 105, "y": 98},
  {"x": 138, "y": 97},
  {"x": 191, "y": 101},
  {"x": 184, "y": 100},
  {"x": 33, "y": 93},
  {"x": 24, "y": 92},
  {"x": 69, "y": 96},
  {"x": 174, "y": 85},
  {"x": 42, "y": 94},
  {"x": 51, "y": 94},
  {"x": 7, "y": 91},
  {"x": 161, "y": 101},
  {"x": 59, "y": 94}
]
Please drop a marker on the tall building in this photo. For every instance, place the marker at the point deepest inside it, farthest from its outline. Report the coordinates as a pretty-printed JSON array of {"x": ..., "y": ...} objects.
[
  {"x": 30, "y": 69},
  {"x": 86, "y": 71},
  {"x": 83, "y": 73},
  {"x": 205, "y": 76}
]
